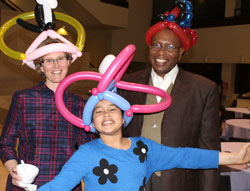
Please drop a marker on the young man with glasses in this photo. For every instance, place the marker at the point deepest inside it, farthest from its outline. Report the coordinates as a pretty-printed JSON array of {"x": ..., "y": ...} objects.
[
  {"x": 191, "y": 121},
  {"x": 46, "y": 139}
]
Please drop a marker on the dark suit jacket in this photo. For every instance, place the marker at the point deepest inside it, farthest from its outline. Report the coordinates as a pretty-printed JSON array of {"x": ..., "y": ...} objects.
[{"x": 191, "y": 121}]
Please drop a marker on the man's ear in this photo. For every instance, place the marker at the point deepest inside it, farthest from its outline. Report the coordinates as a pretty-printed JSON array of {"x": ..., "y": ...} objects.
[{"x": 181, "y": 53}]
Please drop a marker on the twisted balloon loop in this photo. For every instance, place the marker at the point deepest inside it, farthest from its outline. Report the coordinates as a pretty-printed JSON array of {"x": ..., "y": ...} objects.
[{"x": 106, "y": 89}]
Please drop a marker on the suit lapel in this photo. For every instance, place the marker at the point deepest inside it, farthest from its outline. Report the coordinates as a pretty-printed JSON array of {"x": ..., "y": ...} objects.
[
  {"x": 179, "y": 89},
  {"x": 144, "y": 79}
]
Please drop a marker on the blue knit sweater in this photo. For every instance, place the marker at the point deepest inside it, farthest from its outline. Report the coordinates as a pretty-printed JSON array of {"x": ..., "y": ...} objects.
[{"x": 103, "y": 168}]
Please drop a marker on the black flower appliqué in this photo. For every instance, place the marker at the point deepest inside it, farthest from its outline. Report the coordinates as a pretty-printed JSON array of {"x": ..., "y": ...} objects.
[
  {"x": 141, "y": 150},
  {"x": 106, "y": 171},
  {"x": 142, "y": 188}
]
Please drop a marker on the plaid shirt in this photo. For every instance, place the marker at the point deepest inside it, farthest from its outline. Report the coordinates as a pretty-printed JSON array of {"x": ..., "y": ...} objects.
[{"x": 46, "y": 139}]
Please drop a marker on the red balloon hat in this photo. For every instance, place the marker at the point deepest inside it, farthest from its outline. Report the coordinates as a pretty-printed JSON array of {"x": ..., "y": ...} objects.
[{"x": 179, "y": 21}]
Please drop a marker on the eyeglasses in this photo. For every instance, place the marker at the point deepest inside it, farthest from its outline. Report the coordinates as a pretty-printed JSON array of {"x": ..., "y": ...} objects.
[
  {"x": 59, "y": 60},
  {"x": 167, "y": 48}
]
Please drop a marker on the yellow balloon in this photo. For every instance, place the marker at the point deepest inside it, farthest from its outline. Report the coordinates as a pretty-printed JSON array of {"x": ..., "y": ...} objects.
[
  {"x": 30, "y": 15},
  {"x": 77, "y": 25}
]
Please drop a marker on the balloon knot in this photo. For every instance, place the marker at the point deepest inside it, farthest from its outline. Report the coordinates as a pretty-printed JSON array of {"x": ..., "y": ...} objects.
[
  {"x": 129, "y": 113},
  {"x": 94, "y": 91},
  {"x": 79, "y": 54},
  {"x": 87, "y": 128}
]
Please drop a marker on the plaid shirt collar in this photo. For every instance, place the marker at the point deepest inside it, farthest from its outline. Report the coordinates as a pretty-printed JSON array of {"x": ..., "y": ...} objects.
[{"x": 43, "y": 89}]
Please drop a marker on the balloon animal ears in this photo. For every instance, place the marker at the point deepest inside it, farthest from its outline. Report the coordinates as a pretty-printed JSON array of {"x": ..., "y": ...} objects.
[
  {"x": 112, "y": 69},
  {"x": 179, "y": 21},
  {"x": 44, "y": 16},
  {"x": 33, "y": 52}
]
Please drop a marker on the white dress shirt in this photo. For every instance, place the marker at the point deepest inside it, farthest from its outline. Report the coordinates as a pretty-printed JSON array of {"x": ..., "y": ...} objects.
[{"x": 164, "y": 83}]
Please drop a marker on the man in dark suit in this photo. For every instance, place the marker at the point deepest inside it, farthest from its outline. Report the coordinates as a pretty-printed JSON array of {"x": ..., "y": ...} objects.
[{"x": 191, "y": 121}]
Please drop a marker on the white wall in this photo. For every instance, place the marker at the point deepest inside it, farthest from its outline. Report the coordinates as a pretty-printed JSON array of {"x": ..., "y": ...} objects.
[
  {"x": 138, "y": 23},
  {"x": 228, "y": 44}
]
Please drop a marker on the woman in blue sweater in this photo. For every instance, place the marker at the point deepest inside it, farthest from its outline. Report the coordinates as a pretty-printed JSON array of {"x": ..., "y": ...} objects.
[{"x": 113, "y": 162}]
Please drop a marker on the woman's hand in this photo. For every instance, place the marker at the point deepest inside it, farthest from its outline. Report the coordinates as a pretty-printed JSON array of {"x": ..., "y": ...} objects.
[
  {"x": 15, "y": 177},
  {"x": 11, "y": 167}
]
